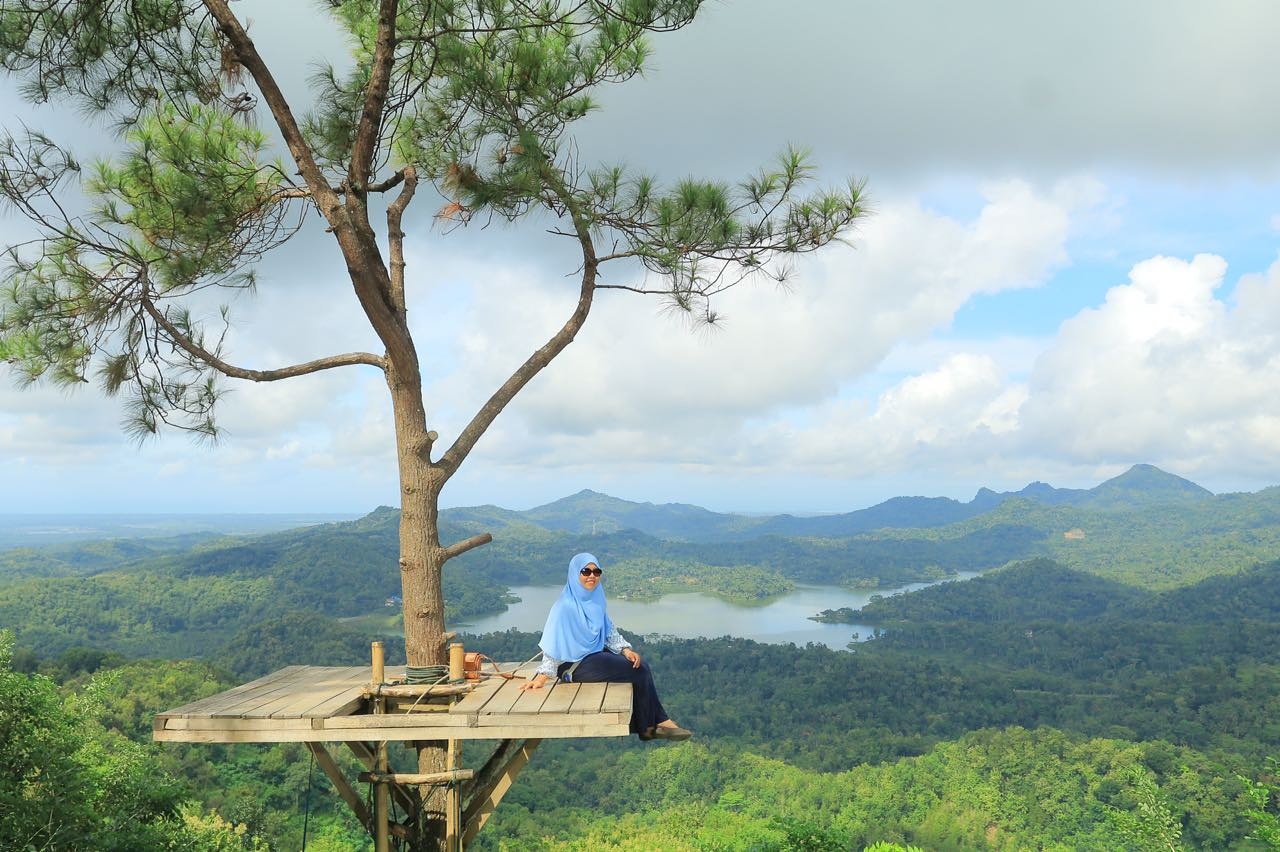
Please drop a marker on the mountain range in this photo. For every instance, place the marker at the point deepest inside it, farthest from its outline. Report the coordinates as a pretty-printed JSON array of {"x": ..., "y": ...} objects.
[{"x": 592, "y": 513}]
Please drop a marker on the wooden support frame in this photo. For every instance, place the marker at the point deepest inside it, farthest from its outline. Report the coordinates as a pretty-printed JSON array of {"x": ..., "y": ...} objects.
[
  {"x": 492, "y": 783},
  {"x": 364, "y": 752},
  {"x": 322, "y": 705},
  {"x": 340, "y": 783},
  {"x": 483, "y": 792}
]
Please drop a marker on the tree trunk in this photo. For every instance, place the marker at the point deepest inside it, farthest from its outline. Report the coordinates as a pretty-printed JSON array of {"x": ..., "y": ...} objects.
[{"x": 421, "y": 564}]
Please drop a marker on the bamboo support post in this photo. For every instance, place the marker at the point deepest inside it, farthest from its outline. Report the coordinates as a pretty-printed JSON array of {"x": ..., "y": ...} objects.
[
  {"x": 453, "y": 795},
  {"x": 379, "y": 664},
  {"x": 456, "y": 653},
  {"x": 381, "y": 805},
  {"x": 453, "y": 799},
  {"x": 381, "y": 797}
]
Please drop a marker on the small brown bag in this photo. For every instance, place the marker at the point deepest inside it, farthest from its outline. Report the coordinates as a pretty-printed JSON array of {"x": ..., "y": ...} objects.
[{"x": 471, "y": 665}]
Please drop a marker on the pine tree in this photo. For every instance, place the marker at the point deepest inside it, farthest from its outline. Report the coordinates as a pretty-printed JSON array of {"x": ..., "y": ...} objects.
[{"x": 474, "y": 98}]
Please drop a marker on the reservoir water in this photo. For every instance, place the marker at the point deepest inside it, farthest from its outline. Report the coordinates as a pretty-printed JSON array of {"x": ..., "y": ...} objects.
[{"x": 693, "y": 615}]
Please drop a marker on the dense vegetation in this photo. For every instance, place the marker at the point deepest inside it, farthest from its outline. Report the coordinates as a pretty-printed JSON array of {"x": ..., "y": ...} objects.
[
  {"x": 160, "y": 598},
  {"x": 944, "y": 732},
  {"x": 650, "y": 579},
  {"x": 1042, "y": 705},
  {"x": 190, "y": 595}
]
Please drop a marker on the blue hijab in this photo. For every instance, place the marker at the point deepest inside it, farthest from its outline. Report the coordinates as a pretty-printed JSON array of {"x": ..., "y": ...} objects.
[{"x": 578, "y": 622}]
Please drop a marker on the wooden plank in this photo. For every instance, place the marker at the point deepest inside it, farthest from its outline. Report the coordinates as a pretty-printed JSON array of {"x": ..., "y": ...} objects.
[
  {"x": 396, "y": 721},
  {"x": 505, "y": 698},
  {"x": 324, "y": 735},
  {"x": 234, "y": 723},
  {"x": 617, "y": 698},
  {"x": 286, "y": 686},
  {"x": 346, "y": 694},
  {"x": 589, "y": 698},
  {"x": 476, "y": 701},
  {"x": 530, "y": 701},
  {"x": 216, "y": 703},
  {"x": 320, "y": 688},
  {"x": 551, "y": 720},
  {"x": 399, "y": 722},
  {"x": 560, "y": 697},
  {"x": 343, "y": 703},
  {"x": 318, "y": 684}
]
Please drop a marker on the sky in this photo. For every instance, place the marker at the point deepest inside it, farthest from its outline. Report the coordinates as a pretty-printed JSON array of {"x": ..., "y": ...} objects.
[{"x": 1070, "y": 267}]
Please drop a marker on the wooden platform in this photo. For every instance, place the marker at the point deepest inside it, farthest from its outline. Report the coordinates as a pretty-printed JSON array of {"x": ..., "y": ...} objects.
[{"x": 325, "y": 704}]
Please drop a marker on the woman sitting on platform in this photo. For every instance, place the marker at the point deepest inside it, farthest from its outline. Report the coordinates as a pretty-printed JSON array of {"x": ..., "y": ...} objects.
[{"x": 581, "y": 645}]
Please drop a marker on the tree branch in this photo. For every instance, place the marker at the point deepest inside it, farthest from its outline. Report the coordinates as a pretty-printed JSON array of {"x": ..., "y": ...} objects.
[
  {"x": 247, "y": 54},
  {"x": 467, "y": 438},
  {"x": 390, "y": 183},
  {"x": 359, "y": 248},
  {"x": 395, "y": 238},
  {"x": 200, "y": 353},
  {"x": 460, "y": 547},
  {"x": 644, "y": 291},
  {"x": 375, "y": 100}
]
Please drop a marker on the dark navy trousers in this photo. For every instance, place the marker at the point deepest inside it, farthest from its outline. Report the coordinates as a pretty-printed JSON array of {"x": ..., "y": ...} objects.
[{"x": 608, "y": 667}]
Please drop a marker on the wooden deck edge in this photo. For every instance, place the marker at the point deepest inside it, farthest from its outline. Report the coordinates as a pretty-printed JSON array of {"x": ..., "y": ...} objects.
[
  {"x": 333, "y": 734},
  {"x": 397, "y": 722}
]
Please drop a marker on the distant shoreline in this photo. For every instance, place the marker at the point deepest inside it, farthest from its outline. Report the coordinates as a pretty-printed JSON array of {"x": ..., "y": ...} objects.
[{"x": 41, "y": 529}]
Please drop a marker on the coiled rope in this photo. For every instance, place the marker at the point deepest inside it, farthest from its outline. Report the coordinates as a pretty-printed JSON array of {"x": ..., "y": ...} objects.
[{"x": 426, "y": 674}]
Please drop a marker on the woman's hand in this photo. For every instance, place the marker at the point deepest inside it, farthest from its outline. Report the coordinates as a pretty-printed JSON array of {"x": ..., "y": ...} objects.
[
  {"x": 632, "y": 656},
  {"x": 535, "y": 683}
]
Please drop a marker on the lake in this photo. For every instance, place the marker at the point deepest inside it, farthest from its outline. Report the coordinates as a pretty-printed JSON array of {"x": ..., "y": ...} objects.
[{"x": 698, "y": 616}]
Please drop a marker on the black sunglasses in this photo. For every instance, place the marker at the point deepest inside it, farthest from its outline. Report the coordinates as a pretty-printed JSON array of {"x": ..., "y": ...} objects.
[{"x": 588, "y": 571}]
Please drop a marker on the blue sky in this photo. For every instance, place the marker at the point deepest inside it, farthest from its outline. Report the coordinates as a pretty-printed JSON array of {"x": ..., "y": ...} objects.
[{"x": 1070, "y": 269}]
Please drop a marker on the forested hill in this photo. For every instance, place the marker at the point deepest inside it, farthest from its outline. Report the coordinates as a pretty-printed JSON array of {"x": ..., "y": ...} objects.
[
  {"x": 188, "y": 594},
  {"x": 1039, "y": 589},
  {"x": 1145, "y": 528},
  {"x": 1042, "y": 708},
  {"x": 590, "y": 513}
]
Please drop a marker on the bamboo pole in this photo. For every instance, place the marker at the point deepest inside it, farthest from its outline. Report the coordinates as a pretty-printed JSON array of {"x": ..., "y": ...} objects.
[
  {"x": 453, "y": 801},
  {"x": 419, "y": 777},
  {"x": 453, "y": 797},
  {"x": 456, "y": 653},
  {"x": 382, "y": 816},
  {"x": 381, "y": 803},
  {"x": 379, "y": 664}
]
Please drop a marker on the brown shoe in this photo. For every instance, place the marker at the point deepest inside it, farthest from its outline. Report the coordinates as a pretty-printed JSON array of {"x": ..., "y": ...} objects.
[{"x": 673, "y": 734}]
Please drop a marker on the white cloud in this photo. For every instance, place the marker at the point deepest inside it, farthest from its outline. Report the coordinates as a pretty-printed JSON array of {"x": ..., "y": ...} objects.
[
  {"x": 1165, "y": 370},
  {"x": 1162, "y": 371},
  {"x": 851, "y": 374},
  {"x": 636, "y": 386}
]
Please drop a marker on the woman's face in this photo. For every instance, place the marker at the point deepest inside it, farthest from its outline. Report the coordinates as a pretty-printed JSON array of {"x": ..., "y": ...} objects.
[{"x": 590, "y": 580}]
